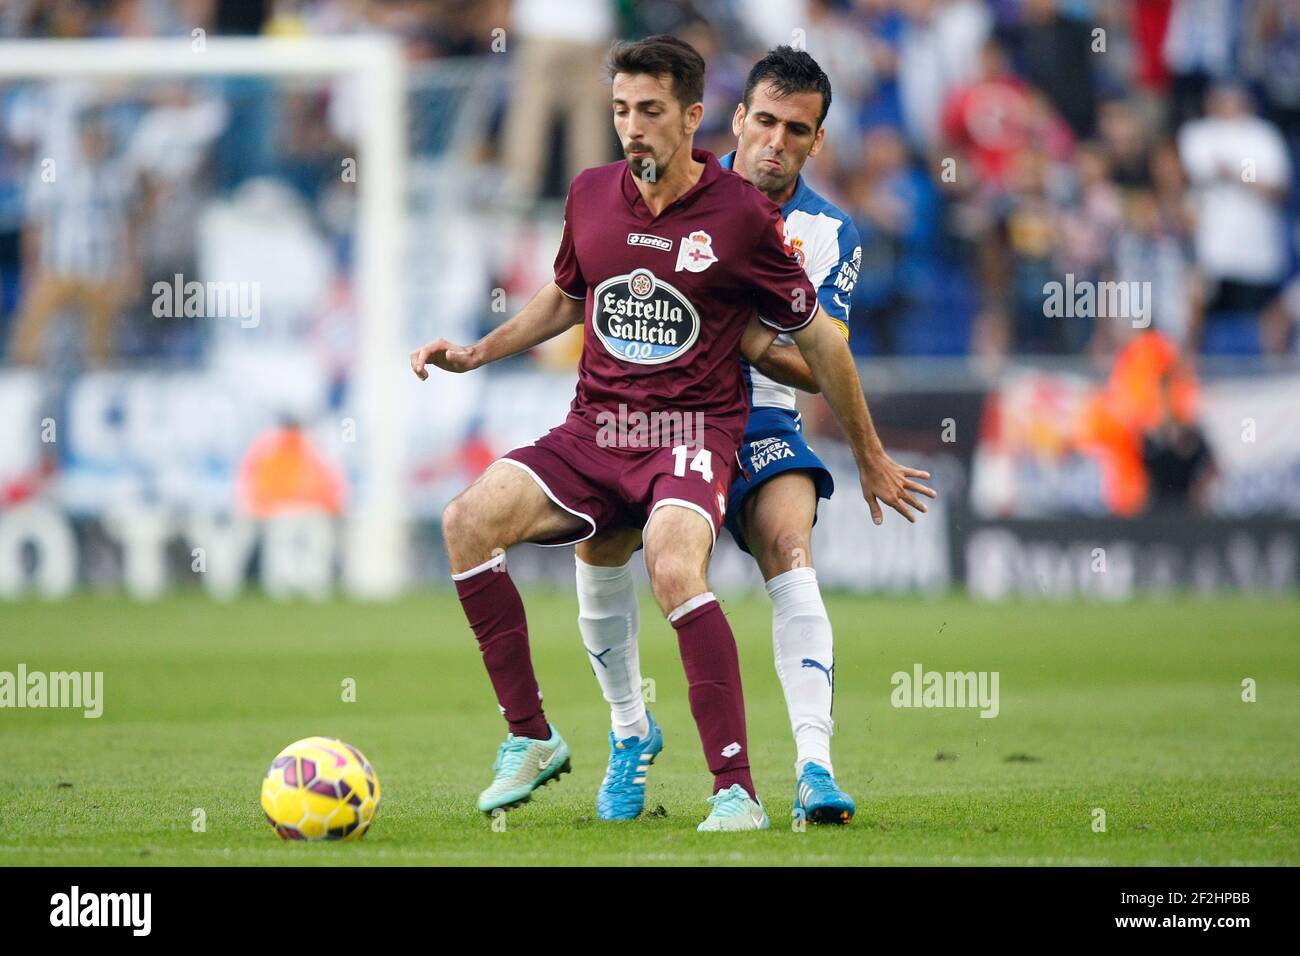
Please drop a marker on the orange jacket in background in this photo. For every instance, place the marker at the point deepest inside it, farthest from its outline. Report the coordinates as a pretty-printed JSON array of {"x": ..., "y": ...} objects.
[
  {"x": 283, "y": 472},
  {"x": 1148, "y": 383}
]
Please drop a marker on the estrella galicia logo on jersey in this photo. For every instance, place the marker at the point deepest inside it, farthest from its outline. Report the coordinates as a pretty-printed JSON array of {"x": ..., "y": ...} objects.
[
  {"x": 695, "y": 254},
  {"x": 652, "y": 242},
  {"x": 640, "y": 318}
]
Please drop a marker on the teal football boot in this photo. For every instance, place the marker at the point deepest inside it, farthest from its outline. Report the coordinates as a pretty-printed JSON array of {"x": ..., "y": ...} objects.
[
  {"x": 523, "y": 765},
  {"x": 734, "y": 809}
]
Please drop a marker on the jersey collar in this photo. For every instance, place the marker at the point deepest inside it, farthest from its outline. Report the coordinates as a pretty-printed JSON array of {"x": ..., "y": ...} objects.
[{"x": 711, "y": 172}]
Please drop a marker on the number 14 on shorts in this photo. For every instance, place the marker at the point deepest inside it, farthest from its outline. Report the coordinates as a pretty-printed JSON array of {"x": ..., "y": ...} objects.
[{"x": 702, "y": 462}]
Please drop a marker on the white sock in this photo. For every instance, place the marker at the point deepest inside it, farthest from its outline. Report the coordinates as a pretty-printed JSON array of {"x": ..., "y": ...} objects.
[
  {"x": 609, "y": 619},
  {"x": 805, "y": 662}
]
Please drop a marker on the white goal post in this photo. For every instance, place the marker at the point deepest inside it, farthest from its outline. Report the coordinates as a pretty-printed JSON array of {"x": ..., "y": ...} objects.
[{"x": 375, "y": 556}]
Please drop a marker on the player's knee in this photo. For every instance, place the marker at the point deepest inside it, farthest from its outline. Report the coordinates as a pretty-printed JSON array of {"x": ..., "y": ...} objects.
[
  {"x": 675, "y": 580},
  {"x": 785, "y": 550},
  {"x": 456, "y": 524}
]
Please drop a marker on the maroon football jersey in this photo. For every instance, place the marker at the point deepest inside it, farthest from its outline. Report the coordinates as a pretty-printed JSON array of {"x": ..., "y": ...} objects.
[{"x": 669, "y": 297}]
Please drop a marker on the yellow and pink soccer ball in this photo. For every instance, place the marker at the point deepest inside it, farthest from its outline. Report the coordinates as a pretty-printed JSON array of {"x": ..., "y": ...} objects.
[{"x": 320, "y": 788}]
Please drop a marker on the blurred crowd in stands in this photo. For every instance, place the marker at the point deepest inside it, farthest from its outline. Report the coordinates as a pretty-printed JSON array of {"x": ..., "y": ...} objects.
[
  {"x": 988, "y": 149},
  {"x": 985, "y": 148}
]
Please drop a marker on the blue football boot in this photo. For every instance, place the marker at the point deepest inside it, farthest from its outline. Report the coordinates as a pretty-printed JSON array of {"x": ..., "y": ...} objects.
[
  {"x": 820, "y": 798},
  {"x": 622, "y": 795}
]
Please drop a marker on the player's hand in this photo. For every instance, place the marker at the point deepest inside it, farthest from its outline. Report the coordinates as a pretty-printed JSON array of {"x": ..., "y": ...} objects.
[
  {"x": 885, "y": 480},
  {"x": 446, "y": 356}
]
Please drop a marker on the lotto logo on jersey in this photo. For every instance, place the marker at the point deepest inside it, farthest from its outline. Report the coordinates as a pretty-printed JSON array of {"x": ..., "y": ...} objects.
[
  {"x": 640, "y": 318},
  {"x": 651, "y": 242}
]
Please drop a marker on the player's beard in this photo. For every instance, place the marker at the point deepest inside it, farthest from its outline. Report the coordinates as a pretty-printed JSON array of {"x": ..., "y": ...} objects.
[
  {"x": 644, "y": 165},
  {"x": 769, "y": 180},
  {"x": 651, "y": 164}
]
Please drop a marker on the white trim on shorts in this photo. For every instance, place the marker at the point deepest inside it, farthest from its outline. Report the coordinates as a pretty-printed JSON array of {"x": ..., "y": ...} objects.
[
  {"x": 685, "y": 504},
  {"x": 550, "y": 494}
]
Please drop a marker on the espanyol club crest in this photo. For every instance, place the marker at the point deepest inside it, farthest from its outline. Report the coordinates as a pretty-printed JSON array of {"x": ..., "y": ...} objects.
[
  {"x": 795, "y": 248},
  {"x": 642, "y": 319},
  {"x": 696, "y": 252}
]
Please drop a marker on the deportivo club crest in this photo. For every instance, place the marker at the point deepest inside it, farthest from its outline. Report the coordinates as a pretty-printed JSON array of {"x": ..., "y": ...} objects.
[
  {"x": 696, "y": 252},
  {"x": 640, "y": 318}
]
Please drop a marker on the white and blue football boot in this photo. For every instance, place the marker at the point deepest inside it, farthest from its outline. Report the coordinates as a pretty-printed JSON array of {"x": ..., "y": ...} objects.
[
  {"x": 819, "y": 798},
  {"x": 622, "y": 794}
]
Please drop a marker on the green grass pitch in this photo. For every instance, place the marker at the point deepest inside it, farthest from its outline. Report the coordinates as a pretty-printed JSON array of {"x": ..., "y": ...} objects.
[{"x": 1135, "y": 709}]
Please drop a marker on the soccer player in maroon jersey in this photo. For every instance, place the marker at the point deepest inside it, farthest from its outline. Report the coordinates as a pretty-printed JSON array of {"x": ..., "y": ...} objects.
[
  {"x": 772, "y": 503},
  {"x": 664, "y": 258}
]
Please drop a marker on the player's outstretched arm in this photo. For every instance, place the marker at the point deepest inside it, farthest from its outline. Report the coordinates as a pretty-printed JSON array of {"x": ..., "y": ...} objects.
[
  {"x": 545, "y": 316},
  {"x": 883, "y": 479}
]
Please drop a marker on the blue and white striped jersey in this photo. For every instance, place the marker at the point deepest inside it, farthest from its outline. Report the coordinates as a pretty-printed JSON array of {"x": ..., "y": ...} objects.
[{"x": 828, "y": 247}]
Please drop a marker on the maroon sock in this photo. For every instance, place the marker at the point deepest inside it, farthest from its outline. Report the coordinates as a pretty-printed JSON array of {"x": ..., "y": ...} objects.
[
  {"x": 712, "y": 666},
  {"x": 496, "y": 614}
]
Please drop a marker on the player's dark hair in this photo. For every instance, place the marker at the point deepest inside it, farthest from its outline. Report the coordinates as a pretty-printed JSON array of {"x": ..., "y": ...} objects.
[
  {"x": 660, "y": 55},
  {"x": 790, "y": 71}
]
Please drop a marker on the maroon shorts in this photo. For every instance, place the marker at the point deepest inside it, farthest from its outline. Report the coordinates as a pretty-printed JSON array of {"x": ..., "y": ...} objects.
[{"x": 612, "y": 487}]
